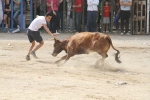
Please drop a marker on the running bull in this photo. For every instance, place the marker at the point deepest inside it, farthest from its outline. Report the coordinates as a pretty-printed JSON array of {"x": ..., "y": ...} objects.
[{"x": 84, "y": 43}]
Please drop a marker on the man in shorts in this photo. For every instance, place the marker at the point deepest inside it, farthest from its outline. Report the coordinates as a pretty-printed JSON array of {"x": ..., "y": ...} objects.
[{"x": 34, "y": 35}]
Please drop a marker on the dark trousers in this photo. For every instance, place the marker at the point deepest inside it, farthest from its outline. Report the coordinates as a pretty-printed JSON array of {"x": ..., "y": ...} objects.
[
  {"x": 91, "y": 21},
  {"x": 125, "y": 16},
  {"x": 15, "y": 17},
  {"x": 78, "y": 21},
  {"x": 60, "y": 19},
  {"x": 54, "y": 23},
  {"x": 116, "y": 21}
]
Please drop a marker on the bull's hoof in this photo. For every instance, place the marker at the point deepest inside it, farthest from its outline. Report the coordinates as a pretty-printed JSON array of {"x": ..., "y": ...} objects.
[
  {"x": 56, "y": 62},
  {"x": 58, "y": 65},
  {"x": 97, "y": 65}
]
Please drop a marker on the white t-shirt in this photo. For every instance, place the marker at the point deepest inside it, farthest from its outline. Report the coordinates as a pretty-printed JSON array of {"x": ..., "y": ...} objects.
[
  {"x": 37, "y": 23},
  {"x": 126, "y": 8}
]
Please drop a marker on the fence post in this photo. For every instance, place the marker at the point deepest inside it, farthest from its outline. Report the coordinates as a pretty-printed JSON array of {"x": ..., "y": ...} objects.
[
  {"x": 83, "y": 16},
  {"x": 112, "y": 14},
  {"x": 35, "y": 7},
  {"x": 73, "y": 18},
  {"x": 31, "y": 11},
  {"x": 12, "y": 10},
  {"x": 64, "y": 13},
  {"x": 45, "y": 7},
  {"x": 21, "y": 14},
  {"x": 102, "y": 26},
  {"x": 2, "y": 23},
  {"x": 131, "y": 18}
]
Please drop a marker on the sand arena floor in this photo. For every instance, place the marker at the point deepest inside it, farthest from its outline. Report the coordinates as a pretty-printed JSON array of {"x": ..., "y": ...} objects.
[{"x": 78, "y": 79}]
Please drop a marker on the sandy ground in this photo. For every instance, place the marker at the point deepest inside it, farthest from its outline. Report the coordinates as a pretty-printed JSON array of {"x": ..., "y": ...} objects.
[{"x": 78, "y": 79}]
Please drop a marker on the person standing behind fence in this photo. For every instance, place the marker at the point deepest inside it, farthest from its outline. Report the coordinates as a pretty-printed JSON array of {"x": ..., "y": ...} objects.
[
  {"x": 69, "y": 16},
  {"x": 55, "y": 21},
  {"x": 117, "y": 15},
  {"x": 49, "y": 9},
  {"x": 125, "y": 15},
  {"x": 17, "y": 13},
  {"x": 1, "y": 12},
  {"x": 92, "y": 11},
  {"x": 106, "y": 16},
  {"x": 7, "y": 13},
  {"x": 78, "y": 10}
]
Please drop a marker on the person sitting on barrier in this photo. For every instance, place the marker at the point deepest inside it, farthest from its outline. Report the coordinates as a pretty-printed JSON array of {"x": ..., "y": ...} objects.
[
  {"x": 18, "y": 11},
  {"x": 7, "y": 13}
]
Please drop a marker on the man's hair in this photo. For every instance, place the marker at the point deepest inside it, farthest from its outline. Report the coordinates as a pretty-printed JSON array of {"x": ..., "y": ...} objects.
[{"x": 49, "y": 14}]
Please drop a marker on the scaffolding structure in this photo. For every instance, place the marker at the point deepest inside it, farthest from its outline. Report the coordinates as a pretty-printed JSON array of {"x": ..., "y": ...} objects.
[{"x": 139, "y": 19}]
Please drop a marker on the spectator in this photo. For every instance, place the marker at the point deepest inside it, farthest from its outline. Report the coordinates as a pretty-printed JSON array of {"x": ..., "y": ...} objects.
[
  {"x": 41, "y": 7},
  {"x": 17, "y": 12},
  {"x": 85, "y": 14},
  {"x": 60, "y": 13},
  {"x": 92, "y": 11},
  {"x": 78, "y": 10},
  {"x": 69, "y": 16},
  {"x": 1, "y": 12},
  {"x": 99, "y": 16},
  {"x": 54, "y": 21},
  {"x": 7, "y": 13},
  {"x": 106, "y": 16},
  {"x": 125, "y": 15},
  {"x": 48, "y": 4},
  {"x": 49, "y": 9},
  {"x": 117, "y": 15}
]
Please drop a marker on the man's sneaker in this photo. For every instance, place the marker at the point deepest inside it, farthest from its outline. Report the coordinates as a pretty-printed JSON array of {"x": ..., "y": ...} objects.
[
  {"x": 33, "y": 54},
  {"x": 128, "y": 34},
  {"x": 6, "y": 26},
  {"x": 18, "y": 26},
  {"x": 27, "y": 57},
  {"x": 15, "y": 31},
  {"x": 121, "y": 33}
]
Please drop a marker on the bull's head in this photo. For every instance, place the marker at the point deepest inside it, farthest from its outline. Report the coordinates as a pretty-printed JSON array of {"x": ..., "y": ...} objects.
[{"x": 57, "y": 47}]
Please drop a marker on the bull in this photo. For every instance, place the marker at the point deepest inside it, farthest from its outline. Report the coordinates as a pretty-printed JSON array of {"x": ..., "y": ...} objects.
[{"x": 84, "y": 43}]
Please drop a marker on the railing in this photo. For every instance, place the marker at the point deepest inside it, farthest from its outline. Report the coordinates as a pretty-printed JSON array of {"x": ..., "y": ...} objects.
[{"x": 83, "y": 15}]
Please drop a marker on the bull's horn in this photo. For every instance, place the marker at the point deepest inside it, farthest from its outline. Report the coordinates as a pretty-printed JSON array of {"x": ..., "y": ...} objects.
[{"x": 51, "y": 38}]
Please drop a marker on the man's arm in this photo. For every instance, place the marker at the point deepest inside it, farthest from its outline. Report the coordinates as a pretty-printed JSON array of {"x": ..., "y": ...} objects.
[
  {"x": 52, "y": 2},
  {"x": 48, "y": 31},
  {"x": 77, "y": 5},
  {"x": 126, "y": 4},
  {"x": 89, "y": 2}
]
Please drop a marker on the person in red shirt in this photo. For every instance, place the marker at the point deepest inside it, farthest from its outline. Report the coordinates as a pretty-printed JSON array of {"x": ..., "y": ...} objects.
[
  {"x": 106, "y": 16},
  {"x": 78, "y": 9}
]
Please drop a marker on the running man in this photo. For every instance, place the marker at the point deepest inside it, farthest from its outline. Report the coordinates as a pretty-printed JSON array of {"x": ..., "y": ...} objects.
[{"x": 34, "y": 35}]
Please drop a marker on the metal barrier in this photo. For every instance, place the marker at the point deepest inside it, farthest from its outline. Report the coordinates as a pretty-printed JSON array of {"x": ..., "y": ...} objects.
[
  {"x": 139, "y": 17},
  {"x": 132, "y": 21}
]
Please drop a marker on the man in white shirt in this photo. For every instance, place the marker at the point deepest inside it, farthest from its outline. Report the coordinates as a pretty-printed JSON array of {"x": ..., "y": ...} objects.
[
  {"x": 1, "y": 11},
  {"x": 125, "y": 15},
  {"x": 34, "y": 34},
  {"x": 92, "y": 11}
]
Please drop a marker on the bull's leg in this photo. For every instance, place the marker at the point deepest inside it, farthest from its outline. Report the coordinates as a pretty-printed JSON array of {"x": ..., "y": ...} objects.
[
  {"x": 62, "y": 58},
  {"x": 100, "y": 62}
]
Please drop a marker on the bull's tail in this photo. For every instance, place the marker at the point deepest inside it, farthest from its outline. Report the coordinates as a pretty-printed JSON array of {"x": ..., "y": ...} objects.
[{"x": 116, "y": 54}]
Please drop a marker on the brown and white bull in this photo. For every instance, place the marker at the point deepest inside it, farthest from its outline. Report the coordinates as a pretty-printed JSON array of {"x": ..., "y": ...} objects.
[{"x": 84, "y": 43}]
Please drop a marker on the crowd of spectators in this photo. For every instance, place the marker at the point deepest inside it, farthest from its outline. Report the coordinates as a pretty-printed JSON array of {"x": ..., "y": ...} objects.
[{"x": 94, "y": 10}]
